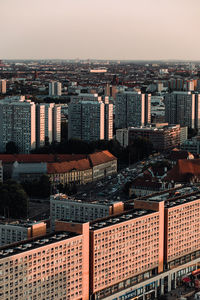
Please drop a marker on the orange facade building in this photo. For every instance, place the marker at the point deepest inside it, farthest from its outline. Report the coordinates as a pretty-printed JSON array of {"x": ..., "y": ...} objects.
[{"x": 136, "y": 254}]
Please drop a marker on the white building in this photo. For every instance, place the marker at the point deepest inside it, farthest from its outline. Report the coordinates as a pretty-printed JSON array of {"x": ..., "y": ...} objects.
[
  {"x": 52, "y": 122},
  {"x": 132, "y": 109},
  {"x": 18, "y": 123},
  {"x": 55, "y": 89},
  {"x": 27, "y": 124},
  {"x": 40, "y": 125},
  {"x": 1, "y": 171},
  {"x": 16, "y": 231},
  {"x": 86, "y": 119},
  {"x": 64, "y": 207},
  {"x": 182, "y": 108}
]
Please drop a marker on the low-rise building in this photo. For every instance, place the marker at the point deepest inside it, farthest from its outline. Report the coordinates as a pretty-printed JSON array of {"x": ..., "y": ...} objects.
[
  {"x": 12, "y": 231},
  {"x": 80, "y": 171},
  {"x": 68, "y": 208},
  {"x": 162, "y": 136}
]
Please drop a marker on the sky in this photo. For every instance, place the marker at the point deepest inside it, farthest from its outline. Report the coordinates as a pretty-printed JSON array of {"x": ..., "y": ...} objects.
[{"x": 100, "y": 29}]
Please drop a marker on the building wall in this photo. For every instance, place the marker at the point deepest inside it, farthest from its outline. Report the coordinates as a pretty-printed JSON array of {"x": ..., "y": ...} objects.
[
  {"x": 132, "y": 109},
  {"x": 182, "y": 230},
  {"x": 11, "y": 233},
  {"x": 105, "y": 169},
  {"x": 123, "y": 250},
  {"x": 54, "y": 271}
]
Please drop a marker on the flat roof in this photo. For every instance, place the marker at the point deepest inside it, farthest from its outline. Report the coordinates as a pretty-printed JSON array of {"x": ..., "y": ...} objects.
[
  {"x": 22, "y": 246},
  {"x": 63, "y": 197},
  {"x": 116, "y": 219},
  {"x": 19, "y": 223}
]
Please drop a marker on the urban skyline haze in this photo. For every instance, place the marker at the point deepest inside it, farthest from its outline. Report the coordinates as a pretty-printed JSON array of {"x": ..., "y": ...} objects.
[{"x": 91, "y": 29}]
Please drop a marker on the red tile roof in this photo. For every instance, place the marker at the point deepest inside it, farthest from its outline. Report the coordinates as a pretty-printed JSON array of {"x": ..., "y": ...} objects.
[
  {"x": 98, "y": 158},
  {"x": 64, "y": 167},
  {"x": 176, "y": 155},
  {"x": 184, "y": 170}
]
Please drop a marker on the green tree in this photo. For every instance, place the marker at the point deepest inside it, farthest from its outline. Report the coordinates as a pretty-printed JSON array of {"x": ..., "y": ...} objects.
[
  {"x": 13, "y": 200},
  {"x": 11, "y": 148}
]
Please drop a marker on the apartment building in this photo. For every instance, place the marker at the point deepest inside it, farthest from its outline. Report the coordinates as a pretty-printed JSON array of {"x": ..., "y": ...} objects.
[
  {"x": 90, "y": 118},
  {"x": 55, "y": 89},
  {"x": 12, "y": 231},
  {"x": 141, "y": 252},
  {"x": 3, "y": 86},
  {"x": 183, "y": 108},
  {"x": 1, "y": 172},
  {"x": 24, "y": 123},
  {"x": 40, "y": 126},
  {"x": 125, "y": 249},
  {"x": 162, "y": 136},
  {"x": 18, "y": 123},
  {"x": 51, "y": 267},
  {"x": 68, "y": 208},
  {"x": 132, "y": 109}
]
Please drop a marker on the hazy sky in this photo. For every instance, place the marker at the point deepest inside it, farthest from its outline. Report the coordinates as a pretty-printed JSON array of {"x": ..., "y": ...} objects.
[{"x": 102, "y": 29}]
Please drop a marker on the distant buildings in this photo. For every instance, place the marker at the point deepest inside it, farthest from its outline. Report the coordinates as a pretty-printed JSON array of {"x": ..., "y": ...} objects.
[
  {"x": 2, "y": 86},
  {"x": 192, "y": 145},
  {"x": 132, "y": 109},
  {"x": 18, "y": 123},
  {"x": 55, "y": 89},
  {"x": 90, "y": 118},
  {"x": 24, "y": 123},
  {"x": 162, "y": 136},
  {"x": 183, "y": 108}
]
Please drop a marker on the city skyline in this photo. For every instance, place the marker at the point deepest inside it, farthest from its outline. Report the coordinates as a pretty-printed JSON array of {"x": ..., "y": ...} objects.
[{"x": 148, "y": 30}]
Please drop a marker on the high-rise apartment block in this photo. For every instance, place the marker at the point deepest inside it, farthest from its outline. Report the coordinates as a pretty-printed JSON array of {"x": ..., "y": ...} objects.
[
  {"x": 18, "y": 123},
  {"x": 53, "y": 267},
  {"x": 2, "y": 86},
  {"x": 90, "y": 118},
  {"x": 139, "y": 253},
  {"x": 24, "y": 123},
  {"x": 55, "y": 89},
  {"x": 132, "y": 109},
  {"x": 183, "y": 108},
  {"x": 40, "y": 125}
]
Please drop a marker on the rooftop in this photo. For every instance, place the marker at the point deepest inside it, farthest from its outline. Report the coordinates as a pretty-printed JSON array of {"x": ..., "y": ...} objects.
[
  {"x": 63, "y": 197},
  {"x": 20, "y": 247},
  {"x": 19, "y": 223},
  {"x": 116, "y": 219}
]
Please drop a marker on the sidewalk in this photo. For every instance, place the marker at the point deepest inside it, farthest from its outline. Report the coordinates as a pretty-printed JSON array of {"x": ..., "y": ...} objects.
[{"x": 180, "y": 292}]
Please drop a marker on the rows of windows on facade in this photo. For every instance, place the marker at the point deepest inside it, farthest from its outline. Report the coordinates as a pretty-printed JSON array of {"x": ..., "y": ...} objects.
[
  {"x": 141, "y": 252},
  {"x": 28, "y": 124}
]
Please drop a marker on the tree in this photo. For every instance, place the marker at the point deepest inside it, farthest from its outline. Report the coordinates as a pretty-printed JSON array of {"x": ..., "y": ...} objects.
[
  {"x": 11, "y": 148},
  {"x": 38, "y": 188},
  {"x": 13, "y": 200}
]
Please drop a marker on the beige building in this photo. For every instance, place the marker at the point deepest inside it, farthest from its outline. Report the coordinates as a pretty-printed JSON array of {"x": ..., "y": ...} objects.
[
  {"x": 3, "y": 86},
  {"x": 51, "y": 267}
]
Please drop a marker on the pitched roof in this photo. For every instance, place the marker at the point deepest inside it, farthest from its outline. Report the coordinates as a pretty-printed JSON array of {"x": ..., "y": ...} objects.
[
  {"x": 64, "y": 167},
  {"x": 184, "y": 170},
  {"x": 176, "y": 155},
  {"x": 101, "y": 157}
]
